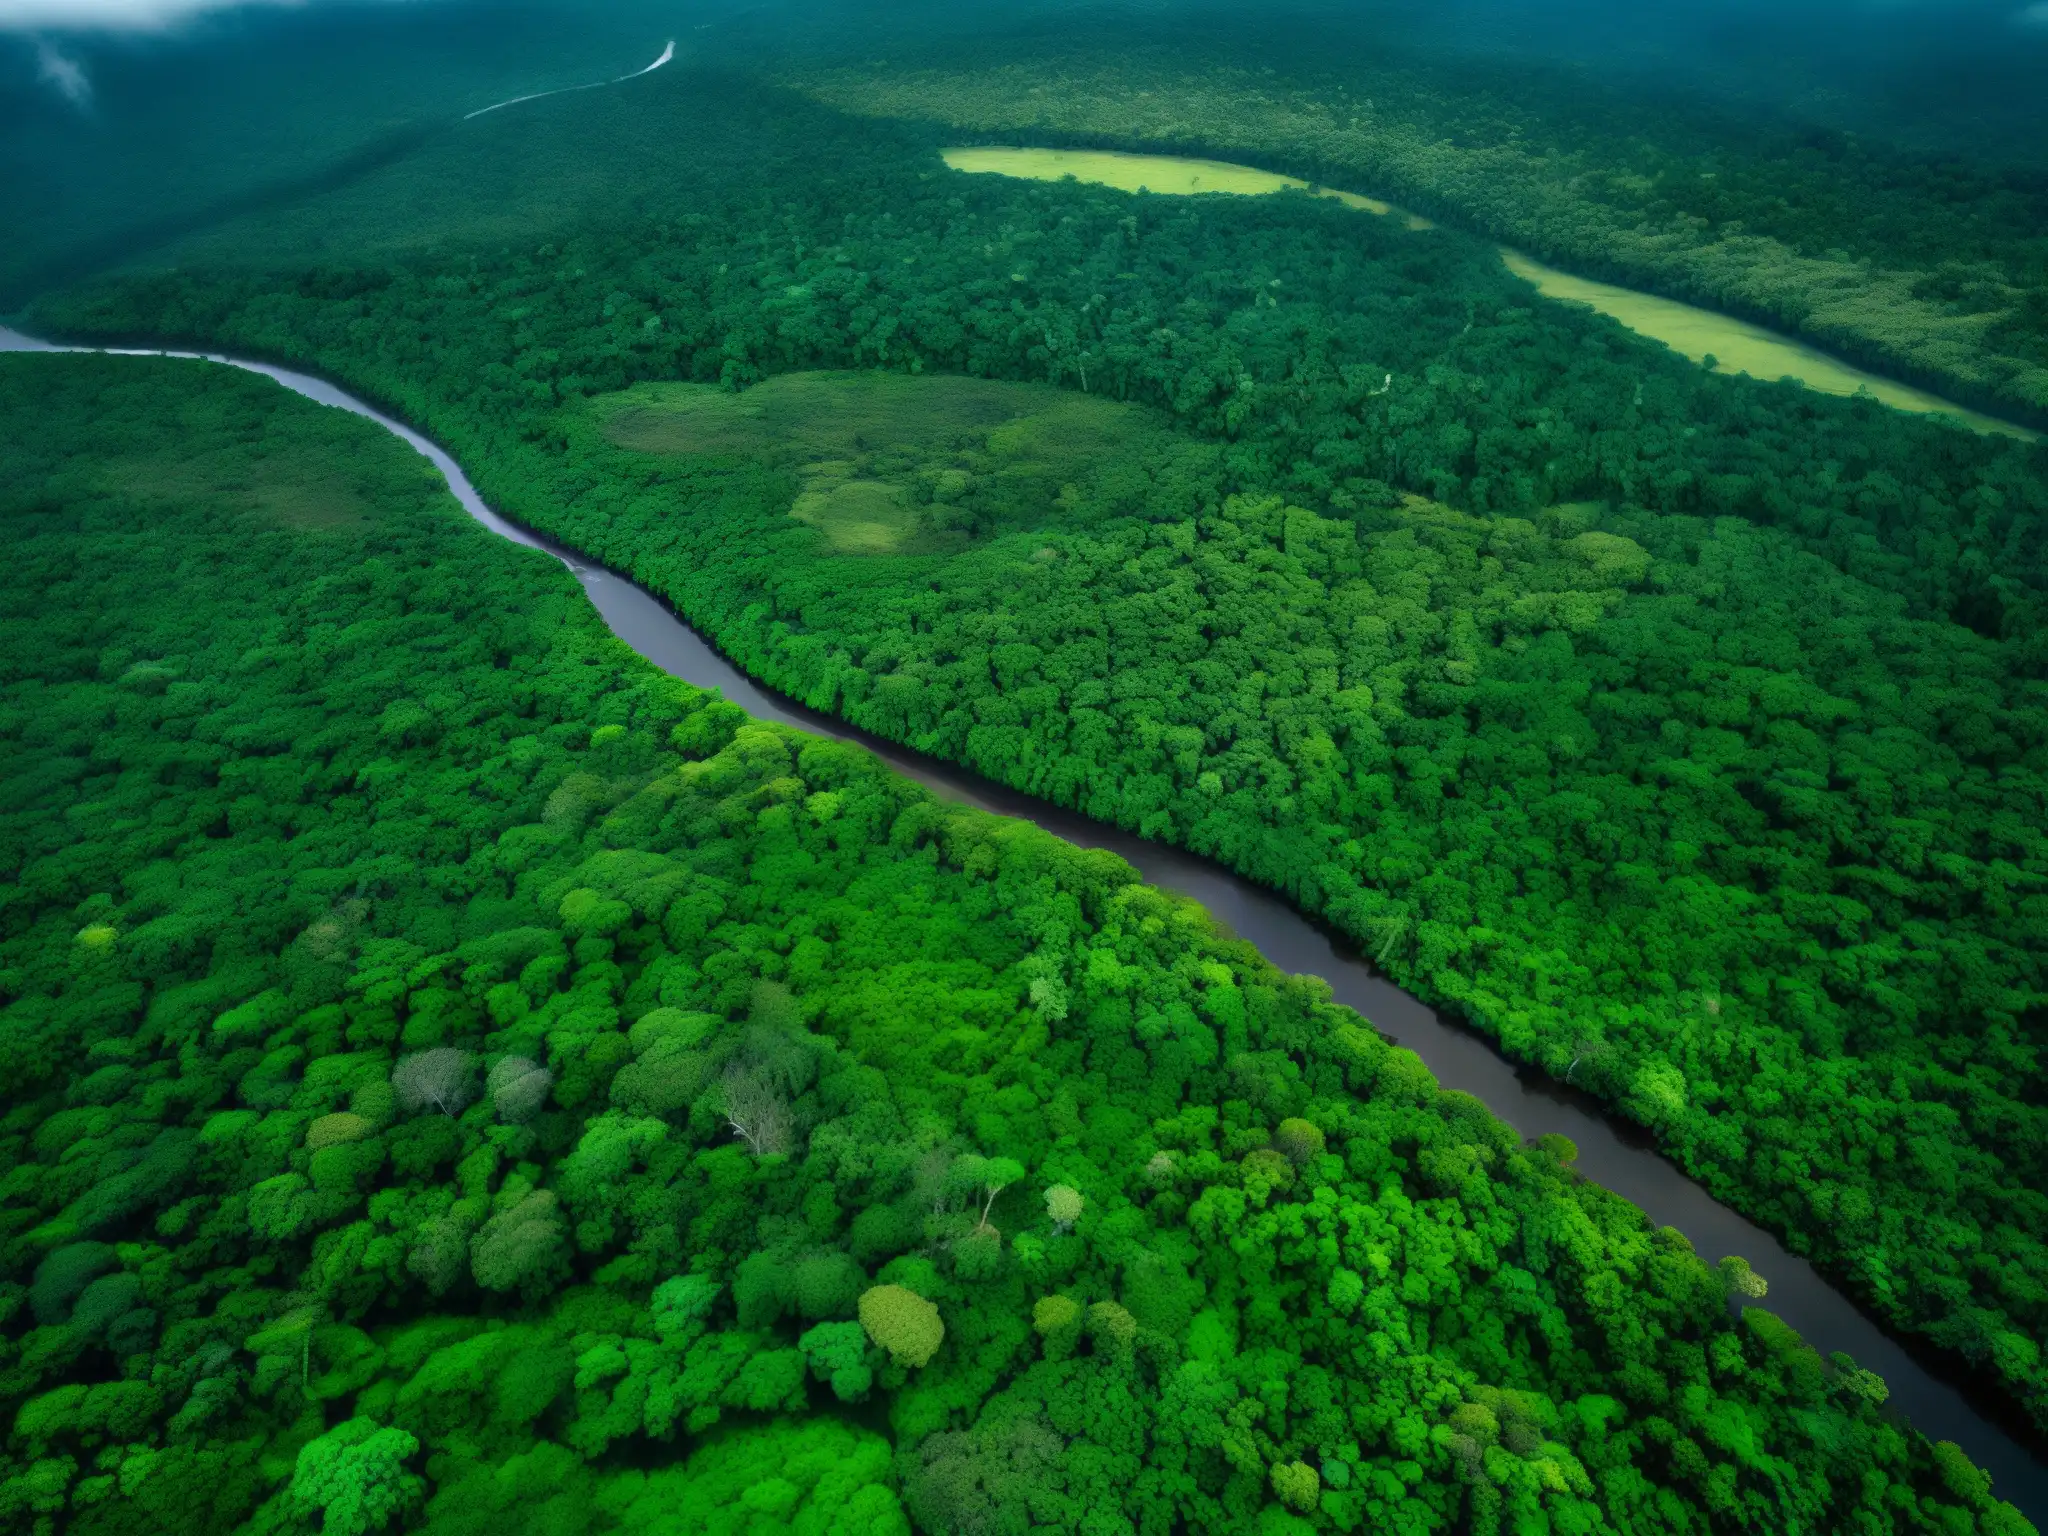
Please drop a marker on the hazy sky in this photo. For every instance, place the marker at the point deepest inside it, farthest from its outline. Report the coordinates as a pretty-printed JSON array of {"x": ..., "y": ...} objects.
[
  {"x": 65, "y": 15},
  {"x": 57, "y": 15}
]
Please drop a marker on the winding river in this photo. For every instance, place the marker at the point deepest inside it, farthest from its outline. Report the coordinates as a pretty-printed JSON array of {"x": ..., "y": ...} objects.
[
  {"x": 667, "y": 53},
  {"x": 1613, "y": 1154}
]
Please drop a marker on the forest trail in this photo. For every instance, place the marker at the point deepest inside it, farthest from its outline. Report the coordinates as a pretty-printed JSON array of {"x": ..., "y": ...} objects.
[
  {"x": 1460, "y": 1058},
  {"x": 1736, "y": 346},
  {"x": 667, "y": 53}
]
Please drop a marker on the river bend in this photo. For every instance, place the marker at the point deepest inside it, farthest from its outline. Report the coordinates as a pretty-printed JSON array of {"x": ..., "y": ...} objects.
[{"x": 1616, "y": 1155}]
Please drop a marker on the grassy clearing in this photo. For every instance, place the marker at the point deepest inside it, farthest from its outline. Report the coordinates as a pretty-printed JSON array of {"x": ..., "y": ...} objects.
[
  {"x": 888, "y": 463},
  {"x": 857, "y": 517},
  {"x": 1167, "y": 175}
]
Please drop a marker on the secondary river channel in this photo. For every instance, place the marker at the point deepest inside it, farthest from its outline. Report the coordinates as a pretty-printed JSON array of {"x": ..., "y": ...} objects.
[{"x": 1614, "y": 1155}]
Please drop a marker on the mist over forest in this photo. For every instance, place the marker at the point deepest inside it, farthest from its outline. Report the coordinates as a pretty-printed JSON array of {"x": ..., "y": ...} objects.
[{"x": 123, "y": 123}]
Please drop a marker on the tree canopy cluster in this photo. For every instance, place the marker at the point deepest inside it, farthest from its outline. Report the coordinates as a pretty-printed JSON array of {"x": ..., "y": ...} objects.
[
  {"x": 462, "y": 1080},
  {"x": 1684, "y": 732},
  {"x": 1928, "y": 265},
  {"x": 1668, "y": 803}
]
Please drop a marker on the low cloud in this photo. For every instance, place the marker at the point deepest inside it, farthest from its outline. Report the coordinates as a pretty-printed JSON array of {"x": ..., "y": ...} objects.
[
  {"x": 108, "y": 15},
  {"x": 56, "y": 69},
  {"x": 2034, "y": 16}
]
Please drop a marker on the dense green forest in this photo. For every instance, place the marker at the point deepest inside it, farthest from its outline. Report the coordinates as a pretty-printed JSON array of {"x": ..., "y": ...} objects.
[
  {"x": 463, "y": 1080},
  {"x": 1683, "y": 732},
  {"x": 1932, "y": 267}
]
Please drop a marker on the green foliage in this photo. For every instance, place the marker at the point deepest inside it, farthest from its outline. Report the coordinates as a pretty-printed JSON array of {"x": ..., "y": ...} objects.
[
  {"x": 1063, "y": 1206},
  {"x": 819, "y": 1475},
  {"x": 1297, "y": 1486},
  {"x": 1058, "y": 1321},
  {"x": 470, "y": 1323},
  {"x": 987, "y": 1479},
  {"x": 1683, "y": 732},
  {"x": 523, "y": 1247},
  {"x": 353, "y": 1478},
  {"x": 837, "y": 1354},
  {"x": 1923, "y": 263},
  {"x": 1298, "y": 1140},
  {"x": 885, "y": 463},
  {"x": 902, "y": 1322},
  {"x": 66, "y": 1273}
]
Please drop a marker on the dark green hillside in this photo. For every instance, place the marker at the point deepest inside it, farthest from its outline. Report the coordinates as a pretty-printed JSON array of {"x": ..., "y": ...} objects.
[
  {"x": 254, "y": 107},
  {"x": 1684, "y": 732}
]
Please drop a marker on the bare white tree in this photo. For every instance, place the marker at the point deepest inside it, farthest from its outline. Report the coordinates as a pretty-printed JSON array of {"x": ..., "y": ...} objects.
[
  {"x": 444, "y": 1079},
  {"x": 755, "y": 1111}
]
